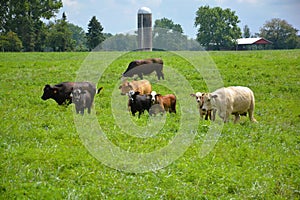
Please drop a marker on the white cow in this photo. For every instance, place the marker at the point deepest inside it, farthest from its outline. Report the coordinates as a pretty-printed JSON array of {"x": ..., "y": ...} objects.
[{"x": 236, "y": 100}]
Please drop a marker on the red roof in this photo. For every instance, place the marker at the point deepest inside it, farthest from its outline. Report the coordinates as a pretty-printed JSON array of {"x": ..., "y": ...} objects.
[{"x": 244, "y": 41}]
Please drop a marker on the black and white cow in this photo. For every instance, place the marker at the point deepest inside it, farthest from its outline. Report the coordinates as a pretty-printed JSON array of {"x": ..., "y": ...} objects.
[{"x": 139, "y": 103}]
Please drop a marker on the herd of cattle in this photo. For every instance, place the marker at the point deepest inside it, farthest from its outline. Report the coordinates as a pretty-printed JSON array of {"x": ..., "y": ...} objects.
[{"x": 234, "y": 100}]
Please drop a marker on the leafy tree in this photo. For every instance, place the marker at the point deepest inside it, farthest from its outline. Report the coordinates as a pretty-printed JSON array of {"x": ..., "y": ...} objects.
[
  {"x": 10, "y": 42},
  {"x": 217, "y": 28},
  {"x": 78, "y": 35},
  {"x": 94, "y": 34},
  {"x": 25, "y": 18},
  {"x": 246, "y": 33},
  {"x": 120, "y": 42},
  {"x": 282, "y": 34},
  {"x": 60, "y": 37},
  {"x": 169, "y": 36},
  {"x": 168, "y": 24}
]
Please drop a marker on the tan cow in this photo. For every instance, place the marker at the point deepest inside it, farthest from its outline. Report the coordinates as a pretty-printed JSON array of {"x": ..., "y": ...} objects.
[
  {"x": 141, "y": 86},
  {"x": 199, "y": 99},
  {"x": 236, "y": 100}
]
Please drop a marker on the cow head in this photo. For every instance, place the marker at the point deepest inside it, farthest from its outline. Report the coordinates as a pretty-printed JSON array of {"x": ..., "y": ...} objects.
[
  {"x": 198, "y": 97},
  {"x": 49, "y": 92},
  {"x": 153, "y": 97},
  {"x": 132, "y": 95},
  {"x": 125, "y": 87},
  {"x": 76, "y": 94},
  {"x": 208, "y": 101}
]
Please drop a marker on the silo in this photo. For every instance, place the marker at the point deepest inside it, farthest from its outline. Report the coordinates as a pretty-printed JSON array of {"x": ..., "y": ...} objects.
[{"x": 144, "y": 29}]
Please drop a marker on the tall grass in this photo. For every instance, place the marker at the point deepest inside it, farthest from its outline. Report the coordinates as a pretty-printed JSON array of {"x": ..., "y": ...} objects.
[{"x": 43, "y": 156}]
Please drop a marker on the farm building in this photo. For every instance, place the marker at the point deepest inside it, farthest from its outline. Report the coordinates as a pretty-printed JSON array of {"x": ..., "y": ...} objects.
[{"x": 252, "y": 43}]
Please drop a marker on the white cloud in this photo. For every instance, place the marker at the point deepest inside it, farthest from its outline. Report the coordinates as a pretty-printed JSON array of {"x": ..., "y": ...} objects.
[
  {"x": 70, "y": 3},
  {"x": 248, "y": 1}
]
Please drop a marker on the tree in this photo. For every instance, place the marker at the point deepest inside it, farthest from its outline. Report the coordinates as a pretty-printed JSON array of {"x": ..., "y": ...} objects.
[
  {"x": 169, "y": 36},
  {"x": 10, "y": 42},
  {"x": 25, "y": 18},
  {"x": 168, "y": 24},
  {"x": 246, "y": 33},
  {"x": 94, "y": 34},
  {"x": 60, "y": 37},
  {"x": 78, "y": 35},
  {"x": 217, "y": 28},
  {"x": 282, "y": 34},
  {"x": 120, "y": 42}
]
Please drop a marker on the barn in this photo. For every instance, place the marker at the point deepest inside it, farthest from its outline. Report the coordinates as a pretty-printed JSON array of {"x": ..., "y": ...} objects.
[{"x": 252, "y": 43}]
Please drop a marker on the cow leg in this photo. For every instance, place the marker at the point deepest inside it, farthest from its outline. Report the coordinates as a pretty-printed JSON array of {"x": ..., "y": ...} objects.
[
  {"x": 89, "y": 110},
  {"x": 140, "y": 75},
  {"x": 237, "y": 118},
  {"x": 251, "y": 117}
]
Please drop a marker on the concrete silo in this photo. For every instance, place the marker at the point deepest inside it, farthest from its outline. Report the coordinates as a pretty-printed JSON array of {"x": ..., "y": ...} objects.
[{"x": 144, "y": 29}]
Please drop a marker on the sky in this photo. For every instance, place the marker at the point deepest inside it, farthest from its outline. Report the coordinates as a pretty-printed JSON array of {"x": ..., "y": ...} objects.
[{"x": 120, "y": 16}]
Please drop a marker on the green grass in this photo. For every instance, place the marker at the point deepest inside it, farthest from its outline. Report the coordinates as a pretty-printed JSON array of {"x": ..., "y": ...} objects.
[{"x": 42, "y": 155}]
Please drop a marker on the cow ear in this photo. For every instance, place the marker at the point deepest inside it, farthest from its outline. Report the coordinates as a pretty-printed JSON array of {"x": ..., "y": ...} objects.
[
  {"x": 192, "y": 95},
  {"x": 213, "y": 96}
]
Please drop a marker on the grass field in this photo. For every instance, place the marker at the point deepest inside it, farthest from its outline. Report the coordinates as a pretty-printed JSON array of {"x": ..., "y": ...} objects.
[{"x": 43, "y": 156}]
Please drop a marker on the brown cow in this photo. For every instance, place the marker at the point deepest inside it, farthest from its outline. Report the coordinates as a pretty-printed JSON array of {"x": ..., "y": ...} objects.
[
  {"x": 141, "y": 86},
  {"x": 145, "y": 67},
  {"x": 167, "y": 102}
]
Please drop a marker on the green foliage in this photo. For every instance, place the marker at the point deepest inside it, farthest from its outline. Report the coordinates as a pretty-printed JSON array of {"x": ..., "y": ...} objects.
[
  {"x": 282, "y": 34},
  {"x": 10, "y": 42},
  {"x": 120, "y": 42},
  {"x": 246, "y": 32},
  {"x": 78, "y": 35},
  {"x": 42, "y": 155},
  {"x": 168, "y": 24},
  {"x": 25, "y": 19},
  {"x": 218, "y": 28},
  {"x": 94, "y": 35},
  {"x": 169, "y": 36},
  {"x": 60, "y": 36}
]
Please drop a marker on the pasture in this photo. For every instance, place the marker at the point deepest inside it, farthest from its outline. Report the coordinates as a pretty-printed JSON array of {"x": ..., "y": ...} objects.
[{"x": 43, "y": 155}]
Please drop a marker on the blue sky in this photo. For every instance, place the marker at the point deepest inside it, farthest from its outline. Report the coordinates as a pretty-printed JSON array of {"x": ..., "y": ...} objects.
[{"x": 119, "y": 16}]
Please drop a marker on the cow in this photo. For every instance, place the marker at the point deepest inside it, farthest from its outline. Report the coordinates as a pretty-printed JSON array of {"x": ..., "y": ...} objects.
[
  {"x": 236, "y": 100},
  {"x": 167, "y": 102},
  {"x": 141, "y": 86},
  {"x": 145, "y": 67},
  {"x": 139, "y": 103},
  {"x": 82, "y": 100},
  {"x": 61, "y": 92},
  {"x": 199, "y": 99}
]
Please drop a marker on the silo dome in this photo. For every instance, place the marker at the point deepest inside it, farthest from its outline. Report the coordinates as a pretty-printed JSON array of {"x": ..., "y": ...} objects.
[{"x": 144, "y": 10}]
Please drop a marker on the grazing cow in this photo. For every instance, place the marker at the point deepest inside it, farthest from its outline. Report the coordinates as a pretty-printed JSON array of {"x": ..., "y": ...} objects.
[
  {"x": 145, "y": 67},
  {"x": 236, "y": 100},
  {"x": 61, "y": 92},
  {"x": 207, "y": 113},
  {"x": 139, "y": 103},
  {"x": 82, "y": 100},
  {"x": 167, "y": 102},
  {"x": 141, "y": 86}
]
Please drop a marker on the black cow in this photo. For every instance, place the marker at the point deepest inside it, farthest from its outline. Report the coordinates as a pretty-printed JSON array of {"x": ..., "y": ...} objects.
[
  {"x": 61, "y": 92},
  {"x": 139, "y": 103},
  {"x": 82, "y": 100},
  {"x": 145, "y": 67}
]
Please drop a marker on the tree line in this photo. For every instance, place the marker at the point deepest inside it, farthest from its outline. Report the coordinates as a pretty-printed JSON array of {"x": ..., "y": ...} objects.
[{"x": 27, "y": 26}]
